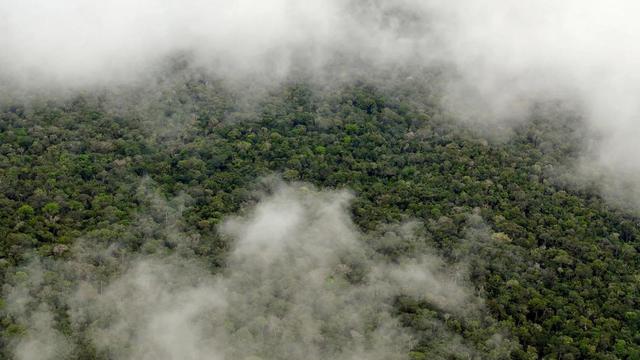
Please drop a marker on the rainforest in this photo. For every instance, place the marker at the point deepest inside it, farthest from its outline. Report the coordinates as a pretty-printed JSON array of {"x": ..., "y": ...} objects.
[{"x": 353, "y": 190}]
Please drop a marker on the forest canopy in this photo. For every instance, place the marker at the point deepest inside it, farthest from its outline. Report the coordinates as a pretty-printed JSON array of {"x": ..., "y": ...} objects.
[{"x": 95, "y": 186}]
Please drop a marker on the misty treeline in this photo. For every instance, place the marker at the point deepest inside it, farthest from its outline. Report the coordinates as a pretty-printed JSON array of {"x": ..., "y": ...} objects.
[{"x": 135, "y": 224}]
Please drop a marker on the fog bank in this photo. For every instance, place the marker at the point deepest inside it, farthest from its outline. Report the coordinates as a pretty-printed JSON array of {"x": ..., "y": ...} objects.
[
  {"x": 300, "y": 283},
  {"x": 501, "y": 56}
]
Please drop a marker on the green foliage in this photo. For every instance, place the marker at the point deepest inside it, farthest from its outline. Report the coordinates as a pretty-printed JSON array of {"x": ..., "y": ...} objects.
[
  {"x": 25, "y": 211},
  {"x": 559, "y": 272}
]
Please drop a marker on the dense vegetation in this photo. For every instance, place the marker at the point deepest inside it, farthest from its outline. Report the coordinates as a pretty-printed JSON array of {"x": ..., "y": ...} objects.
[{"x": 559, "y": 274}]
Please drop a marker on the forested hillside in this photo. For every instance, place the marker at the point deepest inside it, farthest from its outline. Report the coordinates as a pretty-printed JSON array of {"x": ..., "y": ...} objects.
[{"x": 556, "y": 268}]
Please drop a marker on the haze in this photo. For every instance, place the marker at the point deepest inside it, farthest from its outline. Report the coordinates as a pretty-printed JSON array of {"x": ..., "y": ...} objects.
[{"x": 505, "y": 54}]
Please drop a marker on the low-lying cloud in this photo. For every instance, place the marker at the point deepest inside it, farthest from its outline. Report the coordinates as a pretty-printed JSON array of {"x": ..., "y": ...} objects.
[
  {"x": 502, "y": 55},
  {"x": 301, "y": 282}
]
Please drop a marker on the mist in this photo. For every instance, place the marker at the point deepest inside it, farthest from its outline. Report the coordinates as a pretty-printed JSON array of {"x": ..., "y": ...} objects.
[
  {"x": 301, "y": 281},
  {"x": 501, "y": 56}
]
